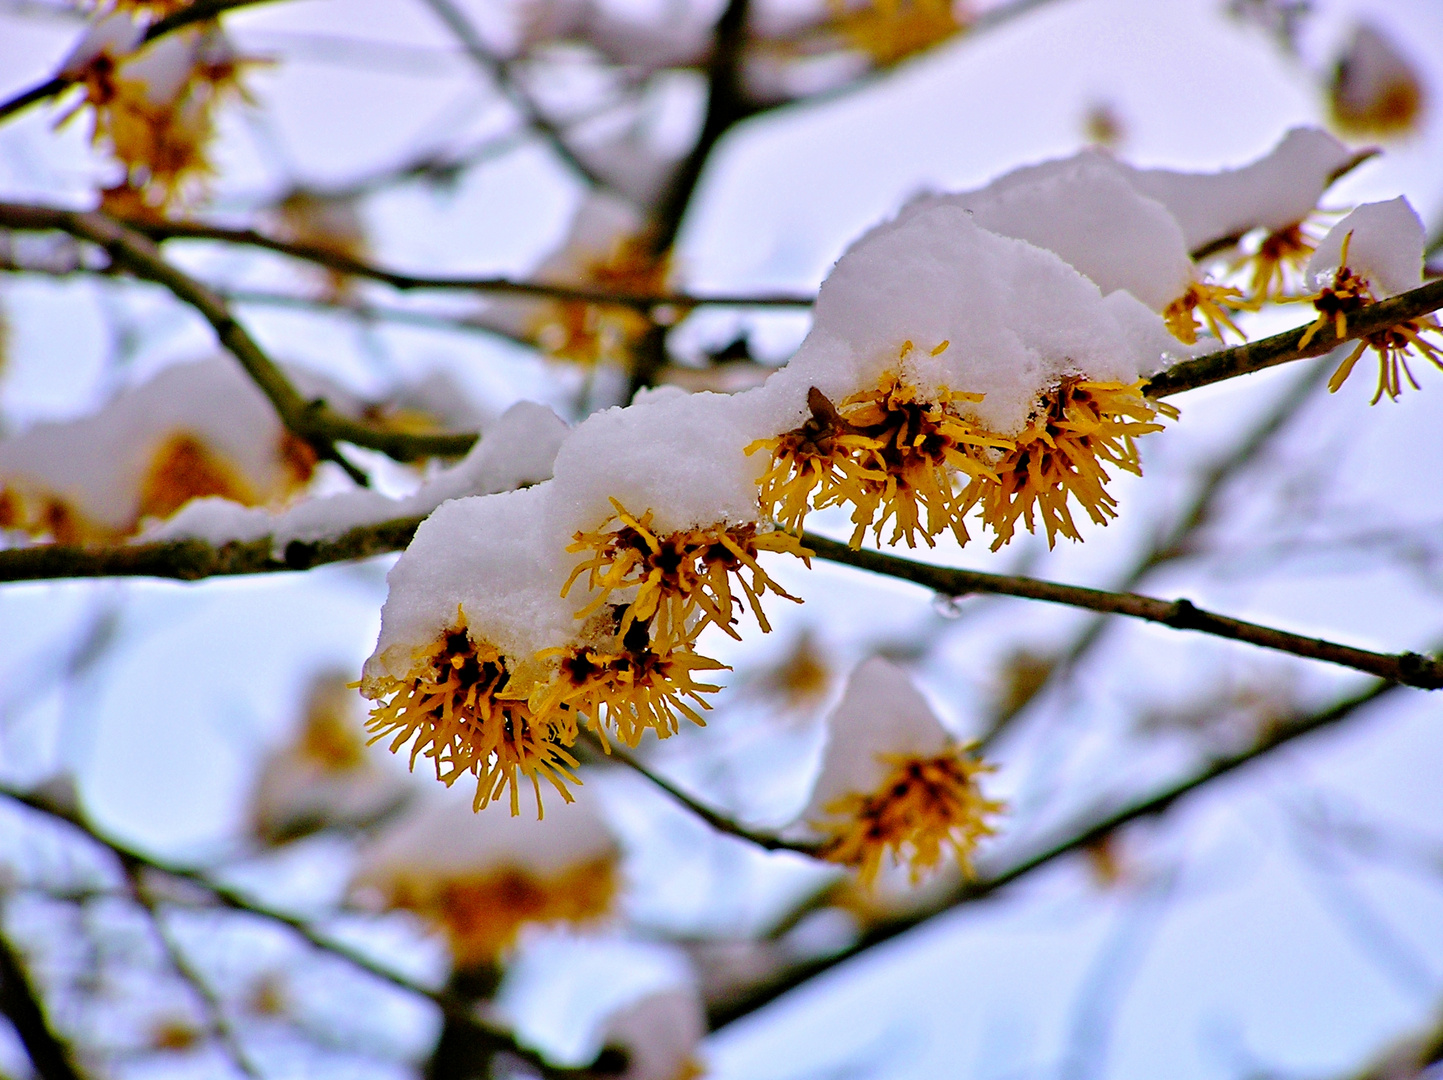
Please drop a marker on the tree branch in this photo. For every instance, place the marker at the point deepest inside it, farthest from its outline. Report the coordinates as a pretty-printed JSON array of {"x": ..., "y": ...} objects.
[
  {"x": 455, "y": 1008},
  {"x": 1409, "y": 668},
  {"x": 20, "y": 1001},
  {"x": 191, "y": 560},
  {"x": 198, "y": 11},
  {"x": 501, "y": 71},
  {"x": 313, "y": 421},
  {"x": 720, "y": 822},
  {"x": 1281, "y": 348},
  {"x": 1091, "y": 830},
  {"x": 23, "y": 217}
]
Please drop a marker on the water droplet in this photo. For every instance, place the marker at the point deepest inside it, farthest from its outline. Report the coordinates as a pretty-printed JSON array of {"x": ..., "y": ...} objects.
[{"x": 949, "y": 607}]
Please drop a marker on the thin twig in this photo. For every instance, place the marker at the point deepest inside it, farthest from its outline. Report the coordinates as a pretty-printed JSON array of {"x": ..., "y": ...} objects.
[
  {"x": 718, "y": 821},
  {"x": 219, "y": 1023},
  {"x": 1282, "y": 348},
  {"x": 191, "y": 560},
  {"x": 501, "y": 71},
  {"x": 19, "y": 216},
  {"x": 312, "y": 421},
  {"x": 1409, "y": 668},
  {"x": 20, "y": 1001},
  {"x": 199, "y": 11},
  {"x": 453, "y": 1007}
]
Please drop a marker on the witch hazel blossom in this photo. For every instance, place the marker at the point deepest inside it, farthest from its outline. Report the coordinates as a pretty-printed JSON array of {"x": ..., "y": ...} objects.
[
  {"x": 1374, "y": 253},
  {"x": 482, "y": 880},
  {"x": 894, "y": 784},
  {"x": 981, "y": 355}
]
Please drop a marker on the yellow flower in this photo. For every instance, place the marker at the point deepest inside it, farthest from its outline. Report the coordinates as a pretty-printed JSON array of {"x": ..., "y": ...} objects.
[
  {"x": 1213, "y": 302},
  {"x": 1376, "y": 92},
  {"x": 1281, "y": 255},
  {"x": 481, "y": 879},
  {"x": 161, "y": 139},
  {"x": 925, "y": 807},
  {"x": 678, "y": 575},
  {"x": 1061, "y": 455},
  {"x": 591, "y": 333},
  {"x": 1350, "y": 293},
  {"x": 626, "y": 687},
  {"x": 461, "y": 707},
  {"x": 891, "y": 30},
  {"x": 482, "y": 914},
  {"x": 891, "y": 453}
]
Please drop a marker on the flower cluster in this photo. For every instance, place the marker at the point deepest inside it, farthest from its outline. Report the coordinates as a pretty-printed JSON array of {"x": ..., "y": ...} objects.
[
  {"x": 984, "y": 354},
  {"x": 894, "y": 784},
  {"x": 608, "y": 251},
  {"x": 153, "y": 108},
  {"x": 1372, "y": 254},
  {"x": 480, "y": 882}
]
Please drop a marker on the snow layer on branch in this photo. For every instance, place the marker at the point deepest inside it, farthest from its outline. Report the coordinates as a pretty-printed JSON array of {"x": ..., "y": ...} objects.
[
  {"x": 677, "y": 454},
  {"x": 659, "y": 1032},
  {"x": 99, "y": 463},
  {"x": 115, "y": 35},
  {"x": 1015, "y": 318},
  {"x": 881, "y": 714},
  {"x": 1086, "y": 212},
  {"x": 496, "y": 556},
  {"x": 516, "y": 450},
  {"x": 439, "y": 837},
  {"x": 1386, "y": 248},
  {"x": 1277, "y": 190}
]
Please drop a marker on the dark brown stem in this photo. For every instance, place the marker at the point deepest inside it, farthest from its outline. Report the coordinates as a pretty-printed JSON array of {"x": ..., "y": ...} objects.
[
  {"x": 20, "y": 1001},
  {"x": 1284, "y": 347},
  {"x": 200, "y": 11},
  {"x": 1409, "y": 669}
]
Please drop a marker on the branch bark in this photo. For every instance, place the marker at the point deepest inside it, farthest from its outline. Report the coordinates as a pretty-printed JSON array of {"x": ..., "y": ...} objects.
[
  {"x": 20, "y": 1001},
  {"x": 1408, "y": 669},
  {"x": 198, "y": 11}
]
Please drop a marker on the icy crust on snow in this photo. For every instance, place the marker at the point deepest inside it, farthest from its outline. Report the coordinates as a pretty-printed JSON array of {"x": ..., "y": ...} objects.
[
  {"x": 881, "y": 714},
  {"x": 439, "y": 837},
  {"x": 1086, "y": 212},
  {"x": 679, "y": 455},
  {"x": 515, "y": 451},
  {"x": 1277, "y": 190},
  {"x": 97, "y": 463},
  {"x": 497, "y": 558},
  {"x": 1386, "y": 248},
  {"x": 1015, "y": 318}
]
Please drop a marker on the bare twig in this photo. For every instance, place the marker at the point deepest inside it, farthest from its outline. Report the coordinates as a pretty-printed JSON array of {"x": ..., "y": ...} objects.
[
  {"x": 199, "y": 11},
  {"x": 35, "y": 218},
  {"x": 219, "y": 1023},
  {"x": 501, "y": 71},
  {"x": 191, "y": 560},
  {"x": 719, "y": 822},
  {"x": 1409, "y": 668},
  {"x": 313, "y": 421},
  {"x": 1284, "y": 347},
  {"x": 20, "y": 1001},
  {"x": 453, "y": 1007}
]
